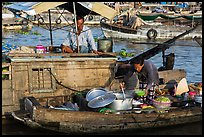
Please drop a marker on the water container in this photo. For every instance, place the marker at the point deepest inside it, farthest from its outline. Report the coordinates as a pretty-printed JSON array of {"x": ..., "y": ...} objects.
[
  {"x": 105, "y": 45},
  {"x": 40, "y": 49}
]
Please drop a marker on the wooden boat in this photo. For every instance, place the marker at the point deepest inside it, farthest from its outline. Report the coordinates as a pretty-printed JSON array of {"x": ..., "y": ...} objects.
[
  {"x": 145, "y": 32},
  {"x": 38, "y": 80},
  {"x": 87, "y": 122}
]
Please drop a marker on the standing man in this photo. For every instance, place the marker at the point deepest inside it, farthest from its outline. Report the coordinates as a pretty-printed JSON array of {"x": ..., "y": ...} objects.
[
  {"x": 86, "y": 41},
  {"x": 147, "y": 74}
]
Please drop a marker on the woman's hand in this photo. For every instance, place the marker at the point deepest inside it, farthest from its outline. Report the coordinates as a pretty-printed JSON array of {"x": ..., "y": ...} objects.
[
  {"x": 122, "y": 85},
  {"x": 146, "y": 92}
]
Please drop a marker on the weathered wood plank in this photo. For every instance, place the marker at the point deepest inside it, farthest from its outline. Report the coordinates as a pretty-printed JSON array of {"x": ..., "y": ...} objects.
[
  {"x": 176, "y": 75},
  {"x": 110, "y": 54}
]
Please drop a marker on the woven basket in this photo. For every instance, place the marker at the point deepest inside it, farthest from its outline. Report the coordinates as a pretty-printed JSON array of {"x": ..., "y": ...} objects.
[{"x": 161, "y": 105}]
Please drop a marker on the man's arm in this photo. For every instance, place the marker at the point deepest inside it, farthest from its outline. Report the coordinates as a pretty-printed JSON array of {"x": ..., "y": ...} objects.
[
  {"x": 65, "y": 46},
  {"x": 66, "y": 49}
]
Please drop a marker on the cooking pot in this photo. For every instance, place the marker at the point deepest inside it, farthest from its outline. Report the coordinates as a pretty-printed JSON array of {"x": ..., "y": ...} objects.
[{"x": 121, "y": 103}]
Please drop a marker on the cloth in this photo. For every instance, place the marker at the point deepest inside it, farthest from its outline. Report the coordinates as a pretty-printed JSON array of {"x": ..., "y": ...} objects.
[{"x": 85, "y": 40}]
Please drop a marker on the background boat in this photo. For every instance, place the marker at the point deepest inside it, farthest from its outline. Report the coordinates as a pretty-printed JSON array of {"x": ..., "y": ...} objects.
[{"x": 141, "y": 33}]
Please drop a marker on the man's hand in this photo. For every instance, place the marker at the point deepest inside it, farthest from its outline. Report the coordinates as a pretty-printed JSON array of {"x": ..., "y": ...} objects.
[
  {"x": 66, "y": 49},
  {"x": 97, "y": 52}
]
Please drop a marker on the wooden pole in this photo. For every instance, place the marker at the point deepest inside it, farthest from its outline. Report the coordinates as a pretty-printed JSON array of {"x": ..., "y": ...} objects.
[
  {"x": 75, "y": 20},
  {"x": 50, "y": 27}
]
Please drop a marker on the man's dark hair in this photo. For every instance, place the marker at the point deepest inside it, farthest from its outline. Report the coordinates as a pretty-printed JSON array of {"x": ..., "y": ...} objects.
[
  {"x": 78, "y": 18},
  {"x": 139, "y": 60}
]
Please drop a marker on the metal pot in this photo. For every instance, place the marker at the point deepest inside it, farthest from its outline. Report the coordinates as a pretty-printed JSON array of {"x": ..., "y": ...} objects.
[
  {"x": 121, "y": 103},
  {"x": 105, "y": 45}
]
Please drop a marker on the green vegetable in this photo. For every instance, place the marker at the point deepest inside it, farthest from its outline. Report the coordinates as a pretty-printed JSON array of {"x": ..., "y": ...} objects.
[
  {"x": 140, "y": 92},
  {"x": 123, "y": 53},
  {"x": 36, "y": 33},
  {"x": 130, "y": 54},
  {"x": 163, "y": 99}
]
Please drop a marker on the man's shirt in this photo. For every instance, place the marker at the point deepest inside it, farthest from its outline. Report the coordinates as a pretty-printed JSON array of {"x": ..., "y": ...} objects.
[{"x": 84, "y": 39}]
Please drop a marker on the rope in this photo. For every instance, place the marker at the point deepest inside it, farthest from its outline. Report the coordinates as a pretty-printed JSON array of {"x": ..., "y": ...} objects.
[{"x": 60, "y": 83}]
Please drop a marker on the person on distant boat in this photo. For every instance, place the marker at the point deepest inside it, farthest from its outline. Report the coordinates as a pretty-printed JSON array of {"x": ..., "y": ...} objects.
[
  {"x": 86, "y": 41},
  {"x": 147, "y": 74}
]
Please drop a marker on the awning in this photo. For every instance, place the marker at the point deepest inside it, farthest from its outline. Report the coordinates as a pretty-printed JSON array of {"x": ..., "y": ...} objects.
[{"x": 82, "y": 8}]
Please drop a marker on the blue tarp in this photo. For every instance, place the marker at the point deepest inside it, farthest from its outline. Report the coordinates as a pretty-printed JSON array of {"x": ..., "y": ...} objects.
[{"x": 7, "y": 47}]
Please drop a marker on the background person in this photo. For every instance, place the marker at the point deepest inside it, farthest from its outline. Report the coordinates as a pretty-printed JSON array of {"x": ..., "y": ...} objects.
[
  {"x": 85, "y": 39},
  {"x": 147, "y": 74}
]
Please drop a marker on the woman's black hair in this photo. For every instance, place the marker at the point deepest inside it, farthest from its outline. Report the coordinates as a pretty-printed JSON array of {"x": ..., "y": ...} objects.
[{"x": 139, "y": 60}]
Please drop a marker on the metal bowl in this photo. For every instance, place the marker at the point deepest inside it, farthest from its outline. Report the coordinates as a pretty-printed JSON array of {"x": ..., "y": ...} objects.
[
  {"x": 96, "y": 92},
  {"x": 102, "y": 100}
]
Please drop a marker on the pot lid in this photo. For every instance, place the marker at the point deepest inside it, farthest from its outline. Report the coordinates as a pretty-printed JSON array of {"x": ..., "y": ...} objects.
[
  {"x": 96, "y": 92},
  {"x": 102, "y": 100}
]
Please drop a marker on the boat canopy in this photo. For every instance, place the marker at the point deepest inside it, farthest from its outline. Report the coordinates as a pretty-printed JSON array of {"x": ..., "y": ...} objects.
[{"x": 25, "y": 9}]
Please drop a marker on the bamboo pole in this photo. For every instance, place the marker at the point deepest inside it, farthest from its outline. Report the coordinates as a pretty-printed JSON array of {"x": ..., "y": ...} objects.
[{"x": 77, "y": 42}]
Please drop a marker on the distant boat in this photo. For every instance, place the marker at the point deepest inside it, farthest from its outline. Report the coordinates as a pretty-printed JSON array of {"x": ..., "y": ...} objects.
[
  {"x": 7, "y": 16},
  {"x": 153, "y": 16},
  {"x": 145, "y": 31}
]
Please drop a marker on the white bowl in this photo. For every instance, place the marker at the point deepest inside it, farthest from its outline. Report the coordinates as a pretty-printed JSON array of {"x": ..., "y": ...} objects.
[{"x": 137, "y": 110}]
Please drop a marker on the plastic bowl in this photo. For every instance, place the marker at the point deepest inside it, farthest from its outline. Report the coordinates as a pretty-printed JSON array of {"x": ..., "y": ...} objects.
[
  {"x": 140, "y": 92},
  {"x": 161, "y": 105},
  {"x": 137, "y": 110}
]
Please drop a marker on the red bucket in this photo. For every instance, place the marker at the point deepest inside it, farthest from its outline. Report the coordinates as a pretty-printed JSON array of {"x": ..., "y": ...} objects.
[{"x": 40, "y": 49}]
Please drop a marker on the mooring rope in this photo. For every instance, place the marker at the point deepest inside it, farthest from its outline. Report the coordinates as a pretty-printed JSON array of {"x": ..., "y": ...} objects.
[{"x": 60, "y": 83}]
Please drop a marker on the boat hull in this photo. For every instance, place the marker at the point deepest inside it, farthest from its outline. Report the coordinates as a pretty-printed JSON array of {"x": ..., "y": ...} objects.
[
  {"x": 74, "y": 122},
  {"x": 163, "y": 32}
]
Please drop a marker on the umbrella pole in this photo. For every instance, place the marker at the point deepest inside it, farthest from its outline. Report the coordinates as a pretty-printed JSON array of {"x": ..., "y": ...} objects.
[
  {"x": 75, "y": 20},
  {"x": 50, "y": 28}
]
